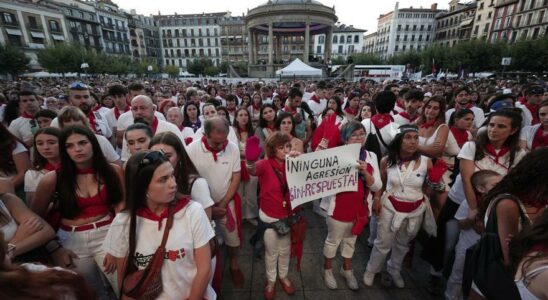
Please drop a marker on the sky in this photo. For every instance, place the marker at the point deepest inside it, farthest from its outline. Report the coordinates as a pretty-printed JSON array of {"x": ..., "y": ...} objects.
[{"x": 361, "y": 14}]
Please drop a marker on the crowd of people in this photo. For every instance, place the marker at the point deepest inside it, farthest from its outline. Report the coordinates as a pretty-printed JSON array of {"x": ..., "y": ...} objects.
[{"x": 114, "y": 188}]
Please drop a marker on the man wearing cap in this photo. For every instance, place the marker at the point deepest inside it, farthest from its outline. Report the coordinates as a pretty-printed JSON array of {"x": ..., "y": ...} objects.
[{"x": 529, "y": 105}]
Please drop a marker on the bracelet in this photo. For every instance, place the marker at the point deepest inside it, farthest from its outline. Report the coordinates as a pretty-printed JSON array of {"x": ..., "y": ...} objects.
[{"x": 52, "y": 246}]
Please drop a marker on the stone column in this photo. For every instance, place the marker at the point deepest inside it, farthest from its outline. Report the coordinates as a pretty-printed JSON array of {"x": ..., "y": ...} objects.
[
  {"x": 270, "y": 43},
  {"x": 328, "y": 49},
  {"x": 306, "y": 41},
  {"x": 250, "y": 46}
]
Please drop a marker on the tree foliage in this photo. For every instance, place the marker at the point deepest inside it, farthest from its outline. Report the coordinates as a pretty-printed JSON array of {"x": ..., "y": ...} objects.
[
  {"x": 12, "y": 60},
  {"x": 172, "y": 70},
  {"x": 202, "y": 66}
]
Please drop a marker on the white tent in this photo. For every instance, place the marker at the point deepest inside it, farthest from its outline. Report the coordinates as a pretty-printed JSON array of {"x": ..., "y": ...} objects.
[{"x": 298, "y": 68}]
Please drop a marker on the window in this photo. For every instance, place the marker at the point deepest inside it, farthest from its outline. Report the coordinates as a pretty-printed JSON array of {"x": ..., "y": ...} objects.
[
  {"x": 535, "y": 33},
  {"x": 403, "y": 48},
  {"x": 191, "y": 32},
  {"x": 529, "y": 18},
  {"x": 518, "y": 21},
  {"x": 541, "y": 16},
  {"x": 340, "y": 49},
  {"x": 397, "y": 38},
  {"x": 321, "y": 39},
  {"x": 405, "y": 38},
  {"x": 399, "y": 27},
  {"x": 427, "y": 37},
  {"x": 341, "y": 39},
  {"x": 349, "y": 39},
  {"x": 54, "y": 26},
  {"x": 356, "y": 38},
  {"x": 207, "y": 31},
  {"x": 32, "y": 22},
  {"x": 413, "y": 38},
  {"x": 318, "y": 49},
  {"x": 406, "y": 27},
  {"x": 422, "y": 27},
  {"x": 532, "y": 5},
  {"x": 479, "y": 17},
  {"x": 476, "y": 29},
  {"x": 429, "y": 27},
  {"x": 335, "y": 39},
  {"x": 420, "y": 37},
  {"x": 414, "y": 27},
  {"x": 396, "y": 48},
  {"x": 481, "y": 6}
]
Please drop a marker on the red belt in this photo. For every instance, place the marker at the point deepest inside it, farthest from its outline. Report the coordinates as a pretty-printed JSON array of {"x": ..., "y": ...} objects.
[
  {"x": 404, "y": 207},
  {"x": 94, "y": 225}
]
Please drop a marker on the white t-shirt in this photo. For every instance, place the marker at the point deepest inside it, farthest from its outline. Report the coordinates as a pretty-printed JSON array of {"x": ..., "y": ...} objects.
[
  {"x": 19, "y": 148},
  {"x": 527, "y": 134},
  {"x": 317, "y": 108},
  {"x": 479, "y": 116},
  {"x": 32, "y": 179},
  {"x": 163, "y": 126},
  {"x": 217, "y": 173},
  {"x": 200, "y": 193},
  {"x": 400, "y": 120},
  {"x": 108, "y": 151},
  {"x": 126, "y": 119},
  {"x": 468, "y": 152},
  {"x": 200, "y": 132},
  {"x": 191, "y": 230},
  {"x": 468, "y": 237},
  {"x": 22, "y": 129},
  {"x": 525, "y": 114},
  {"x": 101, "y": 125},
  {"x": 388, "y": 132}
]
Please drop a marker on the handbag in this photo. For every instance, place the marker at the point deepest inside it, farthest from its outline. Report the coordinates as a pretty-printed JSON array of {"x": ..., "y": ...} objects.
[
  {"x": 484, "y": 264},
  {"x": 147, "y": 284},
  {"x": 372, "y": 144}
]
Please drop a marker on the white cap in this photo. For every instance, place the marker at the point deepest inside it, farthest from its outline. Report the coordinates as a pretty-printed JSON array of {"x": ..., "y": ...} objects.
[
  {"x": 427, "y": 94},
  {"x": 506, "y": 91}
]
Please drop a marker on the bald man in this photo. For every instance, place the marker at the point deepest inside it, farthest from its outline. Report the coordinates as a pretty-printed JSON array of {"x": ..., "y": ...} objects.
[{"x": 142, "y": 107}]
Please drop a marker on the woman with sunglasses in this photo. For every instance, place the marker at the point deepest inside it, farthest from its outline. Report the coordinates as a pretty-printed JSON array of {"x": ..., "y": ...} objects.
[
  {"x": 347, "y": 213},
  {"x": 85, "y": 192},
  {"x": 137, "y": 231}
]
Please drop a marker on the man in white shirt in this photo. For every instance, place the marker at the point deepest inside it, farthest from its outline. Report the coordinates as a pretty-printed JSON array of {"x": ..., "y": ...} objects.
[
  {"x": 218, "y": 161},
  {"x": 119, "y": 95},
  {"x": 142, "y": 107},
  {"x": 529, "y": 108},
  {"x": 24, "y": 126},
  {"x": 413, "y": 101},
  {"x": 462, "y": 100},
  {"x": 318, "y": 102}
]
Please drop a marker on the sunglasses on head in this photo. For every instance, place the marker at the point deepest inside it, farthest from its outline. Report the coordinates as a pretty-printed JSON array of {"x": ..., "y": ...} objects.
[
  {"x": 152, "y": 157},
  {"x": 78, "y": 86}
]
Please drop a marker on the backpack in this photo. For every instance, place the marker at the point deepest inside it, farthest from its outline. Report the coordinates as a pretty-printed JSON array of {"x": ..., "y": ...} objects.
[
  {"x": 372, "y": 143},
  {"x": 484, "y": 263}
]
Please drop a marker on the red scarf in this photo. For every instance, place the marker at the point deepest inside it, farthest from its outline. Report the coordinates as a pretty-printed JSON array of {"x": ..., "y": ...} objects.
[
  {"x": 491, "y": 151},
  {"x": 461, "y": 135},
  {"x": 154, "y": 125},
  {"x": 289, "y": 110},
  {"x": 271, "y": 127},
  {"x": 351, "y": 111},
  {"x": 26, "y": 115},
  {"x": 428, "y": 124},
  {"x": 256, "y": 106},
  {"x": 540, "y": 139},
  {"x": 213, "y": 151},
  {"x": 92, "y": 122},
  {"x": 231, "y": 110},
  {"x": 97, "y": 107},
  {"x": 381, "y": 120},
  {"x": 146, "y": 213},
  {"x": 181, "y": 127},
  {"x": 315, "y": 99},
  {"x": 117, "y": 112},
  {"x": 85, "y": 171},
  {"x": 406, "y": 115},
  {"x": 398, "y": 104},
  {"x": 52, "y": 167},
  {"x": 468, "y": 105},
  {"x": 534, "y": 112}
]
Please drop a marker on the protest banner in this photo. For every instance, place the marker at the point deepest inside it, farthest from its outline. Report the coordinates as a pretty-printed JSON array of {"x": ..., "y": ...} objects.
[{"x": 323, "y": 173}]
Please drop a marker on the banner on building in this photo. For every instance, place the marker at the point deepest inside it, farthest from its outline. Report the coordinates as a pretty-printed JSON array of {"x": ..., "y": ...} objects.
[{"x": 323, "y": 173}]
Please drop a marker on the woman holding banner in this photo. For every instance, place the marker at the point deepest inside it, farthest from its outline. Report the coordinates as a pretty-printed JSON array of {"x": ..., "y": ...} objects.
[
  {"x": 404, "y": 206},
  {"x": 275, "y": 206},
  {"x": 347, "y": 214}
]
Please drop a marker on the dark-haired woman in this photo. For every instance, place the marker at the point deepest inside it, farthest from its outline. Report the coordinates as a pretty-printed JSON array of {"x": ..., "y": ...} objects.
[
  {"x": 536, "y": 136},
  {"x": 255, "y": 109},
  {"x": 351, "y": 109},
  {"x": 529, "y": 254},
  {"x": 138, "y": 137},
  {"x": 46, "y": 159},
  {"x": 248, "y": 184},
  {"x": 522, "y": 189},
  {"x": 137, "y": 231},
  {"x": 191, "y": 113},
  {"x": 285, "y": 123},
  {"x": 14, "y": 158},
  {"x": 88, "y": 191},
  {"x": 404, "y": 206},
  {"x": 267, "y": 122}
]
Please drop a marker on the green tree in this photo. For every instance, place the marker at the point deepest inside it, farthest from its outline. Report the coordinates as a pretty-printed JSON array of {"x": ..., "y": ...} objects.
[
  {"x": 211, "y": 71},
  {"x": 172, "y": 70},
  {"x": 62, "y": 58},
  {"x": 12, "y": 60},
  {"x": 199, "y": 66}
]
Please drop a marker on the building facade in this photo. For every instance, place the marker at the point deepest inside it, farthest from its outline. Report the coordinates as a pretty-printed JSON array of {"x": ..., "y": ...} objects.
[
  {"x": 115, "y": 29},
  {"x": 405, "y": 29},
  {"x": 346, "y": 40},
  {"x": 485, "y": 11},
  {"x": 369, "y": 42},
  {"x": 530, "y": 20},
  {"x": 144, "y": 38},
  {"x": 501, "y": 28},
  {"x": 82, "y": 22},
  {"x": 31, "y": 27},
  {"x": 233, "y": 39},
  {"x": 189, "y": 37},
  {"x": 456, "y": 24}
]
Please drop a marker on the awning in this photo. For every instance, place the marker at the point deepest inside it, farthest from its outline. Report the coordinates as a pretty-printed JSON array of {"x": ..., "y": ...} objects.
[
  {"x": 13, "y": 31},
  {"x": 466, "y": 22},
  {"x": 38, "y": 35},
  {"x": 58, "y": 37}
]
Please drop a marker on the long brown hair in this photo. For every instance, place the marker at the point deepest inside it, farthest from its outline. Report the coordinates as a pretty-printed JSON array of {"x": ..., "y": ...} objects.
[
  {"x": 8, "y": 142},
  {"x": 51, "y": 284},
  {"x": 441, "y": 117}
]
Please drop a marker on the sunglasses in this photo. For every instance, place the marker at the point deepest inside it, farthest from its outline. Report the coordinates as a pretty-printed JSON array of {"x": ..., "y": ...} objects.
[
  {"x": 152, "y": 157},
  {"x": 78, "y": 86}
]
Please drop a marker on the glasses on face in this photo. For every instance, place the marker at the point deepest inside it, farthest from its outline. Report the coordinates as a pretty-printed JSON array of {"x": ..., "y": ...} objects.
[
  {"x": 152, "y": 157},
  {"x": 78, "y": 86}
]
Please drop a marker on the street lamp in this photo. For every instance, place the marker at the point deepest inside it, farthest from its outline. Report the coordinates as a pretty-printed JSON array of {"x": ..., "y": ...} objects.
[
  {"x": 149, "y": 69},
  {"x": 84, "y": 66}
]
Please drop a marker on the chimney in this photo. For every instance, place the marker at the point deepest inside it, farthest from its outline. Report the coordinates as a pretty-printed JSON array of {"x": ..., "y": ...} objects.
[{"x": 434, "y": 6}]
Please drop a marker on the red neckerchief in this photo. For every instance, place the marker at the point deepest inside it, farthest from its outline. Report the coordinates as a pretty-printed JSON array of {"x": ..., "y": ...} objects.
[
  {"x": 213, "y": 151},
  {"x": 52, "y": 167},
  {"x": 491, "y": 151},
  {"x": 97, "y": 107},
  {"x": 181, "y": 127},
  {"x": 117, "y": 111},
  {"x": 289, "y": 110},
  {"x": 146, "y": 213},
  {"x": 468, "y": 105},
  {"x": 271, "y": 127},
  {"x": 428, "y": 124},
  {"x": 540, "y": 139},
  {"x": 403, "y": 160},
  {"x": 350, "y": 110},
  {"x": 406, "y": 115},
  {"x": 522, "y": 100},
  {"x": 85, "y": 171},
  {"x": 534, "y": 112},
  {"x": 398, "y": 104},
  {"x": 92, "y": 123},
  {"x": 256, "y": 106},
  {"x": 315, "y": 99},
  {"x": 231, "y": 109},
  {"x": 381, "y": 120},
  {"x": 154, "y": 125},
  {"x": 461, "y": 135},
  {"x": 26, "y": 115}
]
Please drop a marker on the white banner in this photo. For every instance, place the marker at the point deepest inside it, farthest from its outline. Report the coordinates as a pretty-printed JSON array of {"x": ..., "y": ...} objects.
[{"x": 323, "y": 173}]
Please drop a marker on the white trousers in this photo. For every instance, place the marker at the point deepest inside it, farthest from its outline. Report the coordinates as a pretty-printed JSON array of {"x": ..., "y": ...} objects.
[
  {"x": 248, "y": 191},
  {"x": 453, "y": 290},
  {"x": 277, "y": 254},
  {"x": 339, "y": 233},
  {"x": 387, "y": 240}
]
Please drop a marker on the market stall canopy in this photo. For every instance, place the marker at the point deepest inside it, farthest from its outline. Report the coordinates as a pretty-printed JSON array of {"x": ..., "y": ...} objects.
[{"x": 298, "y": 68}]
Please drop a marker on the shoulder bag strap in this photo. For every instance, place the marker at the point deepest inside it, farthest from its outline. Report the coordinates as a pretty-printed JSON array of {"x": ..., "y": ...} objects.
[
  {"x": 380, "y": 137},
  {"x": 490, "y": 220}
]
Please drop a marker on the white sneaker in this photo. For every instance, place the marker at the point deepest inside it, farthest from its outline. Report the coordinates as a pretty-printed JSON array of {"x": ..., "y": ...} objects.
[
  {"x": 397, "y": 279},
  {"x": 329, "y": 279},
  {"x": 351, "y": 281},
  {"x": 368, "y": 278}
]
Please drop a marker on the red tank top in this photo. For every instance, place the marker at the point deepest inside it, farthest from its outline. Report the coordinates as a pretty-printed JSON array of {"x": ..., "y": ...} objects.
[{"x": 93, "y": 206}]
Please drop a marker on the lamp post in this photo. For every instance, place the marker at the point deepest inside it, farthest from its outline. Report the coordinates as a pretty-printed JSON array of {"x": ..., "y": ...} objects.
[
  {"x": 149, "y": 69},
  {"x": 84, "y": 66}
]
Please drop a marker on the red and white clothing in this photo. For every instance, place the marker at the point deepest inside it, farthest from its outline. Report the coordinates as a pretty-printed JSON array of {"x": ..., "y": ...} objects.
[
  {"x": 403, "y": 118},
  {"x": 479, "y": 115},
  {"x": 23, "y": 127},
  {"x": 19, "y": 148},
  {"x": 317, "y": 105},
  {"x": 191, "y": 230},
  {"x": 98, "y": 124},
  {"x": 112, "y": 116},
  {"x": 528, "y": 113},
  {"x": 388, "y": 131},
  {"x": 534, "y": 136},
  {"x": 232, "y": 137}
]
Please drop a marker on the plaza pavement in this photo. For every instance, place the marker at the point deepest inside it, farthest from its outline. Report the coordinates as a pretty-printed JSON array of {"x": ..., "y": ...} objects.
[{"x": 309, "y": 282}]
